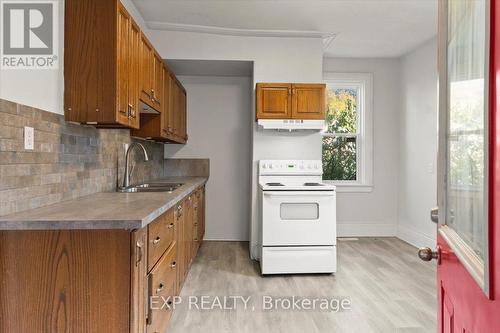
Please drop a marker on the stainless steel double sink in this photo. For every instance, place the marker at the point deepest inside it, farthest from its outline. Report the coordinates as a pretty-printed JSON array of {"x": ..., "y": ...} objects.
[{"x": 151, "y": 187}]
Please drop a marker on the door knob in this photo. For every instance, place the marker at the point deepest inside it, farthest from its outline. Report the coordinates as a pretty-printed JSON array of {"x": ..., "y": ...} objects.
[
  {"x": 435, "y": 215},
  {"x": 426, "y": 254}
]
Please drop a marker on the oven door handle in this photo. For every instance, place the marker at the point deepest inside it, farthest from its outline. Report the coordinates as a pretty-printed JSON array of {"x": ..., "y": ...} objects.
[{"x": 303, "y": 194}]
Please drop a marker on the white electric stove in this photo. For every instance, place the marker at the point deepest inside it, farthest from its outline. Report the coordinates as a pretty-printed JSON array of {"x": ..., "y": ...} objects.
[{"x": 298, "y": 218}]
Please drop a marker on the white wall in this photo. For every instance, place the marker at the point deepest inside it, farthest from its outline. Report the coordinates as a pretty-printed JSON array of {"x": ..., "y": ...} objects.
[
  {"x": 275, "y": 60},
  {"x": 218, "y": 127},
  {"x": 418, "y": 145},
  {"x": 44, "y": 88},
  {"x": 374, "y": 213},
  {"x": 300, "y": 60}
]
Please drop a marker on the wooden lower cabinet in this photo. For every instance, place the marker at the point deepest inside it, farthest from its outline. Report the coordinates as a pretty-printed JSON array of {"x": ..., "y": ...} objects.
[
  {"x": 139, "y": 283},
  {"x": 162, "y": 282},
  {"x": 94, "y": 281}
]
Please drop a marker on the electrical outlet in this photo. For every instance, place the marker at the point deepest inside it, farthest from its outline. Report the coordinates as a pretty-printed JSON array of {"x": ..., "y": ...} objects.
[{"x": 29, "y": 138}]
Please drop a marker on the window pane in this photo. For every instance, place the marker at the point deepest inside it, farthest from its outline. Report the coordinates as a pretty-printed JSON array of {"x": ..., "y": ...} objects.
[
  {"x": 341, "y": 110},
  {"x": 466, "y": 160},
  {"x": 339, "y": 158}
]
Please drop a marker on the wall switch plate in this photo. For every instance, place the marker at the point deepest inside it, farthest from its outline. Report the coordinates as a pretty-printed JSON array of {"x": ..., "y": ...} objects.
[{"x": 29, "y": 138}]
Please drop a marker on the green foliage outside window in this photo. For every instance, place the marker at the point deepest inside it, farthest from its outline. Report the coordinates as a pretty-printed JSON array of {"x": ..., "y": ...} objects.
[{"x": 339, "y": 152}]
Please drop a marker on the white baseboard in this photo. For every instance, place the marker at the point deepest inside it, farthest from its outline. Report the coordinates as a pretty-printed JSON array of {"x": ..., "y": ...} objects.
[
  {"x": 366, "y": 230},
  {"x": 225, "y": 239},
  {"x": 415, "y": 238}
]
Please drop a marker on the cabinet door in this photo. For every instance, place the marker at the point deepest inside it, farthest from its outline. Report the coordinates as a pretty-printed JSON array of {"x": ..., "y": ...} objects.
[
  {"x": 83, "y": 70},
  {"x": 181, "y": 253},
  {"x": 201, "y": 215},
  {"x": 182, "y": 115},
  {"x": 139, "y": 286},
  {"x": 161, "y": 235},
  {"x": 123, "y": 66},
  {"x": 156, "y": 89},
  {"x": 174, "y": 106},
  {"x": 165, "y": 107},
  {"x": 146, "y": 75},
  {"x": 196, "y": 222},
  {"x": 162, "y": 283},
  {"x": 133, "y": 74},
  {"x": 308, "y": 101},
  {"x": 188, "y": 229},
  {"x": 273, "y": 100}
]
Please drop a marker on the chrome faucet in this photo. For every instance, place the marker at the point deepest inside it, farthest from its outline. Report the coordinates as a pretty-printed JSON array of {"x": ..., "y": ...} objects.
[{"x": 126, "y": 176}]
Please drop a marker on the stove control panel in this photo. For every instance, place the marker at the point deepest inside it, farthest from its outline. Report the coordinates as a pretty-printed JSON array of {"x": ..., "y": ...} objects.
[{"x": 285, "y": 167}]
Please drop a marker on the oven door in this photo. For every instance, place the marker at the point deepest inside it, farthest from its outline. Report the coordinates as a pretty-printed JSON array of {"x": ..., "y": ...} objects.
[{"x": 298, "y": 218}]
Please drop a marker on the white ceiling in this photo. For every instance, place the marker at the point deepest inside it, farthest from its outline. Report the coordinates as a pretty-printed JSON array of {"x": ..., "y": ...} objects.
[{"x": 361, "y": 28}]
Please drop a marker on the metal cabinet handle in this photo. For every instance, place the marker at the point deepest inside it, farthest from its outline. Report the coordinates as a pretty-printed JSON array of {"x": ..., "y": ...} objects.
[
  {"x": 149, "y": 310},
  {"x": 173, "y": 264},
  {"x": 156, "y": 240},
  {"x": 131, "y": 112},
  {"x": 160, "y": 287},
  {"x": 170, "y": 226},
  {"x": 138, "y": 259}
]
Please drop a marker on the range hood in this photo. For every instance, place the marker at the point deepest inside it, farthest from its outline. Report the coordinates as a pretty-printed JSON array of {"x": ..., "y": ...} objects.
[{"x": 292, "y": 124}]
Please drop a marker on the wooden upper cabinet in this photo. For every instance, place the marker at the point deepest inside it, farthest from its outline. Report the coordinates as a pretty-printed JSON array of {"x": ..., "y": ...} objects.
[
  {"x": 170, "y": 125},
  {"x": 308, "y": 101},
  {"x": 177, "y": 111},
  {"x": 123, "y": 62},
  {"x": 182, "y": 115},
  {"x": 174, "y": 106},
  {"x": 133, "y": 74},
  {"x": 273, "y": 100},
  {"x": 146, "y": 71},
  {"x": 151, "y": 78},
  {"x": 290, "y": 101},
  {"x": 165, "y": 113},
  {"x": 157, "y": 88},
  {"x": 100, "y": 64}
]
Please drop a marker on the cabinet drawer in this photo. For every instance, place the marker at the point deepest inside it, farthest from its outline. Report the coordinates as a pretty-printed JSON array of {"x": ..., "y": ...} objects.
[
  {"x": 161, "y": 234},
  {"x": 161, "y": 315},
  {"x": 162, "y": 286}
]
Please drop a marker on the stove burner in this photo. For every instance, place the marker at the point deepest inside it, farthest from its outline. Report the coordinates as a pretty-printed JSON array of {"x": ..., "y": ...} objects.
[
  {"x": 313, "y": 184},
  {"x": 274, "y": 184}
]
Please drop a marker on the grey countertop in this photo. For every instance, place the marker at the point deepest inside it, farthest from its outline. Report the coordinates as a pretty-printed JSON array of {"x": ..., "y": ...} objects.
[{"x": 108, "y": 210}]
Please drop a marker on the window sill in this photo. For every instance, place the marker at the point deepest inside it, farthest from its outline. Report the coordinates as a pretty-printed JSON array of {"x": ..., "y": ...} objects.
[{"x": 352, "y": 188}]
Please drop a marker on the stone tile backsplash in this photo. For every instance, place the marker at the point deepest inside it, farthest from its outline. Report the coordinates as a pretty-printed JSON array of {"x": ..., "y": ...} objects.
[
  {"x": 69, "y": 160},
  {"x": 193, "y": 167}
]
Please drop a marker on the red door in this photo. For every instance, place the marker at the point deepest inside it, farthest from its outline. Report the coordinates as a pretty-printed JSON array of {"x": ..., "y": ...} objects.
[{"x": 468, "y": 241}]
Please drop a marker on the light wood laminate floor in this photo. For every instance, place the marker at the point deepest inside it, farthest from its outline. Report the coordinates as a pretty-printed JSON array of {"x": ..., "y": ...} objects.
[{"x": 390, "y": 289}]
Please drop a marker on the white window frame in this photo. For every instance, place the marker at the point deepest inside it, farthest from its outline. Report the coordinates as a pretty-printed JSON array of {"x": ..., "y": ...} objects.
[{"x": 363, "y": 82}]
